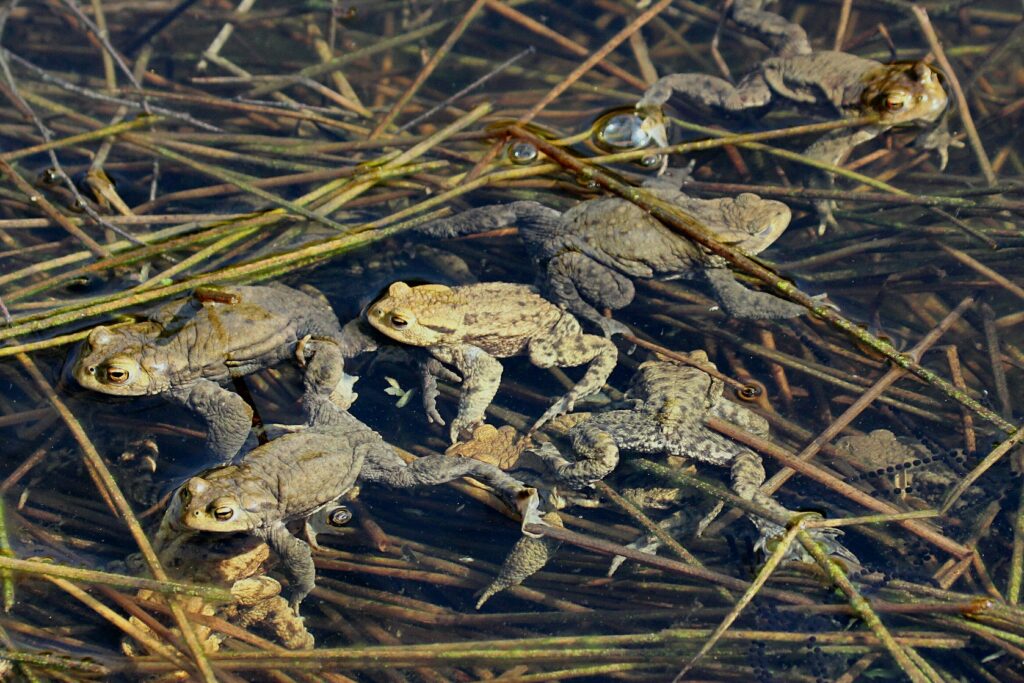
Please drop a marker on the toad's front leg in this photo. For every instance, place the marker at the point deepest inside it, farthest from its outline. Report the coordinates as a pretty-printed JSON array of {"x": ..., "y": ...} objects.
[
  {"x": 227, "y": 416},
  {"x": 297, "y": 558},
  {"x": 740, "y": 302},
  {"x": 481, "y": 376},
  {"x": 576, "y": 281},
  {"x": 325, "y": 375},
  {"x": 833, "y": 149},
  {"x": 566, "y": 346},
  {"x": 430, "y": 371}
]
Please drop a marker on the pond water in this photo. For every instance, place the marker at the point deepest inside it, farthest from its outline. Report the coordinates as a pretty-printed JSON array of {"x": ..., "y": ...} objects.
[{"x": 148, "y": 149}]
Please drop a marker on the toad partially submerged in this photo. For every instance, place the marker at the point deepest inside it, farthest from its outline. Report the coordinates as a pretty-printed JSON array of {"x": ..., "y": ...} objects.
[
  {"x": 293, "y": 476},
  {"x": 586, "y": 258},
  {"x": 471, "y": 326},
  {"x": 898, "y": 94},
  {"x": 670, "y": 403},
  {"x": 903, "y": 466},
  {"x": 185, "y": 349}
]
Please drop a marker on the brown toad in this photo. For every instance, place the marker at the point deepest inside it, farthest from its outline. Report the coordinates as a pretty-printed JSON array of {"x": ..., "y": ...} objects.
[
  {"x": 471, "y": 326},
  {"x": 296, "y": 475},
  {"x": 898, "y": 94},
  {"x": 586, "y": 258},
  {"x": 239, "y": 564},
  {"x": 185, "y": 349}
]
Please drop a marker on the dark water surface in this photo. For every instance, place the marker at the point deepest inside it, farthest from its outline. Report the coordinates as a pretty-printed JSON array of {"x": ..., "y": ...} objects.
[{"x": 213, "y": 160}]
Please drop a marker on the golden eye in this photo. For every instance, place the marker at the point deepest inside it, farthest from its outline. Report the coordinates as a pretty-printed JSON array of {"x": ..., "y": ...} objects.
[
  {"x": 398, "y": 322},
  {"x": 223, "y": 513},
  {"x": 895, "y": 101},
  {"x": 117, "y": 375}
]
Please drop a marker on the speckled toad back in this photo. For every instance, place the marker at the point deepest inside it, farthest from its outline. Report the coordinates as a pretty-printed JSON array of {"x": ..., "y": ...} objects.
[
  {"x": 470, "y": 326},
  {"x": 672, "y": 402},
  {"x": 186, "y": 348}
]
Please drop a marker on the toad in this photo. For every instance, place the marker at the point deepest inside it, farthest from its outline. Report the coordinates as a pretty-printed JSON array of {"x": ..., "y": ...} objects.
[
  {"x": 471, "y": 326},
  {"x": 587, "y": 257},
  {"x": 670, "y": 403},
  {"x": 814, "y": 81},
  {"x": 185, "y": 349},
  {"x": 239, "y": 564},
  {"x": 295, "y": 475},
  {"x": 909, "y": 469}
]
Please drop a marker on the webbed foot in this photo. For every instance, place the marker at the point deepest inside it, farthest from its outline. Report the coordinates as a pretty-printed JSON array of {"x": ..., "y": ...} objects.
[
  {"x": 559, "y": 407},
  {"x": 826, "y": 537},
  {"x": 309, "y": 533},
  {"x": 528, "y": 507},
  {"x": 654, "y": 118},
  {"x": 826, "y": 219},
  {"x": 939, "y": 139},
  {"x": 645, "y": 544},
  {"x": 460, "y": 426}
]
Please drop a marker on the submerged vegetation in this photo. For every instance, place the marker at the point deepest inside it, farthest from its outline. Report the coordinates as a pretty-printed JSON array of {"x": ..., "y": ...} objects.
[{"x": 148, "y": 149}]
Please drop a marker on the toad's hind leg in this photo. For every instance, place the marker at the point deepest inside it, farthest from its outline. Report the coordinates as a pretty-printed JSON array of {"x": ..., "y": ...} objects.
[
  {"x": 566, "y": 346},
  {"x": 747, "y": 477},
  {"x": 580, "y": 283},
  {"x": 297, "y": 558},
  {"x": 740, "y": 302},
  {"x": 596, "y": 451},
  {"x": 228, "y": 417},
  {"x": 492, "y": 217},
  {"x": 384, "y": 466},
  {"x": 710, "y": 91},
  {"x": 481, "y": 377},
  {"x": 325, "y": 371},
  {"x": 784, "y": 37}
]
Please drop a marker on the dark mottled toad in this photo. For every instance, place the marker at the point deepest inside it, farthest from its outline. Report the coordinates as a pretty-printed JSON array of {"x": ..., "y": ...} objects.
[{"x": 671, "y": 402}]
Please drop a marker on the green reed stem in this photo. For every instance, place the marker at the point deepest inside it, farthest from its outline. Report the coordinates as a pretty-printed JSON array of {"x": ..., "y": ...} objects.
[
  {"x": 98, "y": 134},
  {"x": 776, "y": 558},
  {"x": 79, "y": 575},
  {"x": 56, "y": 662},
  {"x": 6, "y": 552},
  {"x": 862, "y": 607}
]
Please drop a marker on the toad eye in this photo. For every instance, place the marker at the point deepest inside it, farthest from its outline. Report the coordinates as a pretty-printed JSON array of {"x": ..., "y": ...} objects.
[
  {"x": 895, "y": 101},
  {"x": 398, "y": 321},
  {"x": 117, "y": 374},
  {"x": 223, "y": 513}
]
